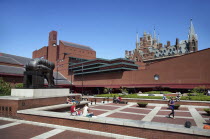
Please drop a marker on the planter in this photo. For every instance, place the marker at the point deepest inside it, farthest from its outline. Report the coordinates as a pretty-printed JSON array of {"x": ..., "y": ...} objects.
[
  {"x": 207, "y": 111},
  {"x": 141, "y": 104},
  {"x": 176, "y": 106}
]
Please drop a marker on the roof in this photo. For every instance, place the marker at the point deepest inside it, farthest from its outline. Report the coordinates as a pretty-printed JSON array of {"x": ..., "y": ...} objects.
[
  {"x": 76, "y": 45},
  {"x": 13, "y": 59},
  {"x": 18, "y": 71},
  {"x": 9, "y": 60},
  {"x": 59, "y": 79},
  {"x": 4, "y": 69}
]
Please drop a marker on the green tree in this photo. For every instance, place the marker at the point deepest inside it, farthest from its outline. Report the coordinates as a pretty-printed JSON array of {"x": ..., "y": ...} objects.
[
  {"x": 199, "y": 90},
  {"x": 5, "y": 88}
]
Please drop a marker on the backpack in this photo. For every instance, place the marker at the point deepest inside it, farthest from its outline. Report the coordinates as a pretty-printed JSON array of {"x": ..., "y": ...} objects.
[{"x": 187, "y": 124}]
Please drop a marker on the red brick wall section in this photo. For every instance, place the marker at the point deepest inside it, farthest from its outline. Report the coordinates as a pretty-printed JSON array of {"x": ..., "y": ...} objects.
[
  {"x": 188, "y": 69},
  {"x": 8, "y": 108},
  {"x": 12, "y": 79},
  {"x": 77, "y": 52},
  {"x": 40, "y": 53},
  {"x": 117, "y": 129}
]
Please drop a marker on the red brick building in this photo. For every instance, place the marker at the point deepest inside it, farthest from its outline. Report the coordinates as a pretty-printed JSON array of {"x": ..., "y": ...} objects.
[
  {"x": 78, "y": 63},
  {"x": 63, "y": 54},
  {"x": 78, "y": 66},
  {"x": 12, "y": 68}
]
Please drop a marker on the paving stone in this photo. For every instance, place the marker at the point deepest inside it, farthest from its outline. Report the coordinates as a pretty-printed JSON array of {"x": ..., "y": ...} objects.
[
  {"x": 97, "y": 112},
  {"x": 2, "y": 122},
  {"x": 147, "y": 107},
  {"x": 179, "y": 121},
  {"x": 126, "y": 116},
  {"x": 186, "y": 114},
  {"x": 23, "y": 131},
  {"x": 144, "y": 111},
  {"x": 105, "y": 107}
]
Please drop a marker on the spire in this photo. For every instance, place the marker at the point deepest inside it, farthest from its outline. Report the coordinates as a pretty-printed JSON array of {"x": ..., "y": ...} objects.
[
  {"x": 137, "y": 37},
  {"x": 158, "y": 39},
  {"x": 137, "y": 40},
  {"x": 154, "y": 34},
  {"x": 192, "y": 31}
]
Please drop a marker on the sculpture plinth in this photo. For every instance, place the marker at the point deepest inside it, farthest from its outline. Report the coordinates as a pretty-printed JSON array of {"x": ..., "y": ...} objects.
[{"x": 33, "y": 79}]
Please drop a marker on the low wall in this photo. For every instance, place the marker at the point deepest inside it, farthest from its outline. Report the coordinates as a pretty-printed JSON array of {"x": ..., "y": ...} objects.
[
  {"x": 10, "y": 105},
  {"x": 111, "y": 128}
]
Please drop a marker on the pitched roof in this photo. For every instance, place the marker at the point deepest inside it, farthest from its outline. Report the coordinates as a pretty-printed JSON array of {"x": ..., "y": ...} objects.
[
  {"x": 4, "y": 69},
  {"x": 13, "y": 59},
  {"x": 76, "y": 45}
]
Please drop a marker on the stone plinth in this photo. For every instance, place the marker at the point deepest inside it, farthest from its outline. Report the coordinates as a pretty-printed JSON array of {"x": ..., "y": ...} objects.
[{"x": 40, "y": 92}]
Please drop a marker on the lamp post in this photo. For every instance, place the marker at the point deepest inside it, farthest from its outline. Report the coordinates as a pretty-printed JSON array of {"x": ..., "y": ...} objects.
[
  {"x": 82, "y": 78},
  {"x": 71, "y": 80}
]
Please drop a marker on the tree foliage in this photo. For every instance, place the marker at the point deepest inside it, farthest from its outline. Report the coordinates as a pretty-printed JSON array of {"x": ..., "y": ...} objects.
[
  {"x": 5, "y": 88},
  {"x": 19, "y": 85},
  {"x": 199, "y": 90}
]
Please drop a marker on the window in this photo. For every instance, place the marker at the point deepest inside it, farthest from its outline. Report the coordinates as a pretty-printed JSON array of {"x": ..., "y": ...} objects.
[{"x": 156, "y": 77}]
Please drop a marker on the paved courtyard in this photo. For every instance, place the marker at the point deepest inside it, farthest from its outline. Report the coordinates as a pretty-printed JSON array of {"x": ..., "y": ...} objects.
[{"x": 153, "y": 113}]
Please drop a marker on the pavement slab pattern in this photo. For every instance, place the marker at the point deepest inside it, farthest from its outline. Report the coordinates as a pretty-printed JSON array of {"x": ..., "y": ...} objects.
[
  {"x": 4, "y": 122},
  {"x": 22, "y": 131},
  {"x": 77, "y": 135},
  {"x": 152, "y": 113},
  {"x": 134, "y": 112}
]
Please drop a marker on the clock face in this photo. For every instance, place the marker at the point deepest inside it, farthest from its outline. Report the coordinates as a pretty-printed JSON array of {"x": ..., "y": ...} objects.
[{"x": 54, "y": 44}]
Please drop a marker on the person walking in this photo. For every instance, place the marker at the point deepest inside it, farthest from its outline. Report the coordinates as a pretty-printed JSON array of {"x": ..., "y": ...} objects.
[{"x": 171, "y": 106}]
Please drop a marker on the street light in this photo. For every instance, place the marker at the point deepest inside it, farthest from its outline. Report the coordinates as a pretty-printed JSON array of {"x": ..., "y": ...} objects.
[
  {"x": 82, "y": 78},
  {"x": 71, "y": 78}
]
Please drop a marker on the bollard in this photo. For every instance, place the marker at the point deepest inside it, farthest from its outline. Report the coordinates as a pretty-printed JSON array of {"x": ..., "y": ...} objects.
[
  {"x": 95, "y": 100},
  {"x": 91, "y": 102},
  {"x": 104, "y": 100},
  {"x": 108, "y": 99}
]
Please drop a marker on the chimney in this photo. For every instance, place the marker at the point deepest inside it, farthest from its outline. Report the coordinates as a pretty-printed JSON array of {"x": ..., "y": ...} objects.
[
  {"x": 168, "y": 43},
  {"x": 126, "y": 52},
  {"x": 160, "y": 45},
  {"x": 129, "y": 53},
  {"x": 177, "y": 43}
]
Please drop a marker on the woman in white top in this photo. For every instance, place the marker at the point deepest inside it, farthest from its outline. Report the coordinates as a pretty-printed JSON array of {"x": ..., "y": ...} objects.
[{"x": 85, "y": 110}]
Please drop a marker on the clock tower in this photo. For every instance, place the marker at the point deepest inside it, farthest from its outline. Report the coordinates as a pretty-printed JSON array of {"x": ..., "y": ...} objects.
[{"x": 53, "y": 47}]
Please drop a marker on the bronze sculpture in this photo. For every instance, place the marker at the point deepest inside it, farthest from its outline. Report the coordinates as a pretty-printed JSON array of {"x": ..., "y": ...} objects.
[{"x": 36, "y": 70}]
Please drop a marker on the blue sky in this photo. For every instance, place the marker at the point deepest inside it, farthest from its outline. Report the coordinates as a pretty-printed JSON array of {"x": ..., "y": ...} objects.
[{"x": 108, "y": 26}]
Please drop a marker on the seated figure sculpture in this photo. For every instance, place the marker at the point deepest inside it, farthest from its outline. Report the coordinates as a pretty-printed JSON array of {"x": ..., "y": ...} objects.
[{"x": 43, "y": 67}]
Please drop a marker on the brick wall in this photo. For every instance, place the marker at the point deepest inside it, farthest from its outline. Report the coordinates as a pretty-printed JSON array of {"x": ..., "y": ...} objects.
[
  {"x": 117, "y": 129},
  {"x": 186, "y": 71},
  {"x": 8, "y": 108}
]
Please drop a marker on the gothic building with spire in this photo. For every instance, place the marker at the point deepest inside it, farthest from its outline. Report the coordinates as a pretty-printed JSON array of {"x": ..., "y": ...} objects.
[{"x": 148, "y": 48}]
